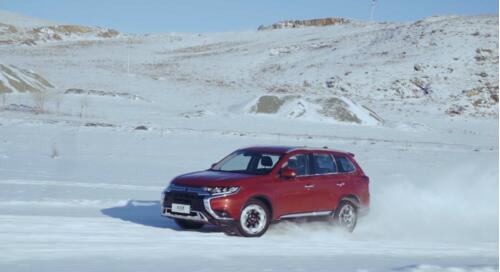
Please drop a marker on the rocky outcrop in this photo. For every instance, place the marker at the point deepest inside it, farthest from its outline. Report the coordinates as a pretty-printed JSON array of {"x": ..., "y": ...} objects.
[
  {"x": 329, "y": 108},
  {"x": 10, "y": 34},
  {"x": 305, "y": 23},
  {"x": 13, "y": 79}
]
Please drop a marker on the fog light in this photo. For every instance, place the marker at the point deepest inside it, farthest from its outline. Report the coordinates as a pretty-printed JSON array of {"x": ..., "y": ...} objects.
[{"x": 223, "y": 214}]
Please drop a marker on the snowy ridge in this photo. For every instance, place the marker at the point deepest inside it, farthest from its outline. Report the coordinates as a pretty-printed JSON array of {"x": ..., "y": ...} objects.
[{"x": 17, "y": 29}]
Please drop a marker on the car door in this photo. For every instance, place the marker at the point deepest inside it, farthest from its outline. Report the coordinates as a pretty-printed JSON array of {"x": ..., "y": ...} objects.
[
  {"x": 347, "y": 175},
  {"x": 296, "y": 195},
  {"x": 328, "y": 183}
]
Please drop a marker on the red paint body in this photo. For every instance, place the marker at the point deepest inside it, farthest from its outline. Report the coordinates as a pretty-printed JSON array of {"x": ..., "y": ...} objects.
[{"x": 302, "y": 194}]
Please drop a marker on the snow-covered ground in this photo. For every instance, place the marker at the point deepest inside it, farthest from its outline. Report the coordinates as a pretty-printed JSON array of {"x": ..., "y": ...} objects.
[{"x": 80, "y": 183}]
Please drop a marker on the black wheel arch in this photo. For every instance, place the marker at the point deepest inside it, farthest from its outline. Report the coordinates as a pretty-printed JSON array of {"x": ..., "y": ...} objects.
[{"x": 351, "y": 198}]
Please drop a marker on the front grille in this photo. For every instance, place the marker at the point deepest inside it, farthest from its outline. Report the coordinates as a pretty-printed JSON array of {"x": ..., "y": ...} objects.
[
  {"x": 181, "y": 201},
  {"x": 183, "y": 195},
  {"x": 192, "y": 199}
]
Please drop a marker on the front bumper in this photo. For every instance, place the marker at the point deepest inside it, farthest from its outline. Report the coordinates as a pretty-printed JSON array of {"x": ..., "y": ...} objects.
[
  {"x": 193, "y": 216},
  {"x": 202, "y": 205}
]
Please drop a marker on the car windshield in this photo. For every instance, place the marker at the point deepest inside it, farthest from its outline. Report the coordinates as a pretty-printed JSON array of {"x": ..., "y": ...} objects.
[{"x": 248, "y": 162}]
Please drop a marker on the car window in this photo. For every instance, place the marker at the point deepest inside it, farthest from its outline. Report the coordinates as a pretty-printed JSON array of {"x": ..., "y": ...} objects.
[
  {"x": 267, "y": 161},
  {"x": 299, "y": 163},
  {"x": 248, "y": 163},
  {"x": 345, "y": 165},
  {"x": 324, "y": 164},
  {"x": 238, "y": 162}
]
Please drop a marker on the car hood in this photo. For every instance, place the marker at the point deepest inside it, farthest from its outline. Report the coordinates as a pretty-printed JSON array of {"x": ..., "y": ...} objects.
[{"x": 211, "y": 178}]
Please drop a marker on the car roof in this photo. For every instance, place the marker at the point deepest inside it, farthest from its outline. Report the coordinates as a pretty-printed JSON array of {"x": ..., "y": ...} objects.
[
  {"x": 287, "y": 149},
  {"x": 269, "y": 148}
]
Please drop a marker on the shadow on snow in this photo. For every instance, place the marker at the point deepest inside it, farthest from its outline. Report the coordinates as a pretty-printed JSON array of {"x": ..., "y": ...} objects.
[{"x": 147, "y": 213}]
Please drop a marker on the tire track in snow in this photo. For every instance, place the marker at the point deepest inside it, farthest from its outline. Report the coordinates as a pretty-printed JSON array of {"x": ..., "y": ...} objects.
[{"x": 225, "y": 132}]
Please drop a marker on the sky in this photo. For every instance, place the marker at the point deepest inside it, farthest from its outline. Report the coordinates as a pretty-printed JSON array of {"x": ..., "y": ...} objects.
[{"x": 154, "y": 16}]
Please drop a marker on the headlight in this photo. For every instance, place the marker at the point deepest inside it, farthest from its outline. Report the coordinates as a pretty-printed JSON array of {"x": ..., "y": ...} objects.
[
  {"x": 222, "y": 190},
  {"x": 164, "y": 192}
]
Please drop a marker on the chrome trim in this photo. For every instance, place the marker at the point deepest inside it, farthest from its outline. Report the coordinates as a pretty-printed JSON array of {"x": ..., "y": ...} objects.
[
  {"x": 198, "y": 217},
  {"x": 319, "y": 175},
  {"x": 206, "y": 203},
  {"x": 307, "y": 214}
]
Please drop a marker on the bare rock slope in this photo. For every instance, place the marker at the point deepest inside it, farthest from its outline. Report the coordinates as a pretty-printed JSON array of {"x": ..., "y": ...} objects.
[
  {"x": 14, "y": 79},
  {"x": 305, "y": 23}
]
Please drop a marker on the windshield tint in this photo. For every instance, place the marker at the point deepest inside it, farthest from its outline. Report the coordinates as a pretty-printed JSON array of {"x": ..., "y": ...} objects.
[{"x": 247, "y": 162}]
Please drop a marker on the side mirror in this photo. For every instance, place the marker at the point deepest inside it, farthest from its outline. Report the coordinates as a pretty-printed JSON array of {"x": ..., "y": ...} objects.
[
  {"x": 212, "y": 166},
  {"x": 288, "y": 173}
]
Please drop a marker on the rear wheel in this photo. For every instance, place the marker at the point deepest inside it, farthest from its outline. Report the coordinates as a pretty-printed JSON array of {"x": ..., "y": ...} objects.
[
  {"x": 186, "y": 224},
  {"x": 254, "y": 219},
  {"x": 346, "y": 216}
]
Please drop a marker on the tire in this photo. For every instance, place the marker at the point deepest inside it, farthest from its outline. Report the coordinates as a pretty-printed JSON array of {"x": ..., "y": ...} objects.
[
  {"x": 186, "y": 224},
  {"x": 254, "y": 219},
  {"x": 346, "y": 216}
]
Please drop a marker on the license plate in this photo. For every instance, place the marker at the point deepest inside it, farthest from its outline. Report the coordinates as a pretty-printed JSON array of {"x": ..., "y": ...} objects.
[{"x": 181, "y": 208}]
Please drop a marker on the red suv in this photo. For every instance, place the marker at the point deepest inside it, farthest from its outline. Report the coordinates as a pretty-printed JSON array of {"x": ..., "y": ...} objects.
[{"x": 255, "y": 186}]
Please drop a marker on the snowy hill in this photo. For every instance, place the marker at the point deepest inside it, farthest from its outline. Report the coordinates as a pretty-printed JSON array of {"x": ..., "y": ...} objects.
[
  {"x": 93, "y": 126},
  {"x": 18, "y": 29},
  {"x": 440, "y": 65}
]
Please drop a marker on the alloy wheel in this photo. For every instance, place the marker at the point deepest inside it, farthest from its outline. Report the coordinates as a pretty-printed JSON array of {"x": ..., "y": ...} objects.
[
  {"x": 347, "y": 216},
  {"x": 253, "y": 219}
]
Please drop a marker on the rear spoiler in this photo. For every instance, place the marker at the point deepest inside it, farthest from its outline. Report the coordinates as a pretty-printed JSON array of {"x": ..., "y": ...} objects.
[{"x": 350, "y": 154}]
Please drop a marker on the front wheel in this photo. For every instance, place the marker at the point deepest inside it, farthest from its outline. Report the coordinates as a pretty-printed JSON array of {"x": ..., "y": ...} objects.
[
  {"x": 254, "y": 219},
  {"x": 346, "y": 216},
  {"x": 186, "y": 224}
]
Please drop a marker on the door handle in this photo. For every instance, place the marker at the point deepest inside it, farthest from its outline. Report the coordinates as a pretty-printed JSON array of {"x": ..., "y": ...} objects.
[
  {"x": 309, "y": 186},
  {"x": 340, "y": 184}
]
